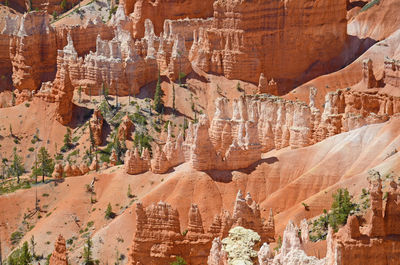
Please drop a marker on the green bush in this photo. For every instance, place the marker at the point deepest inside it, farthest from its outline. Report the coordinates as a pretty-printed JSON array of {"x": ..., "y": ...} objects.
[
  {"x": 342, "y": 207},
  {"x": 63, "y": 5},
  {"x": 138, "y": 118},
  {"x": 16, "y": 237},
  {"x": 179, "y": 261}
]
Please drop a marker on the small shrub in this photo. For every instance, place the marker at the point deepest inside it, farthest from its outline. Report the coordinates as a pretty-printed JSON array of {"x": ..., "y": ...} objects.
[
  {"x": 16, "y": 237},
  {"x": 109, "y": 213},
  {"x": 306, "y": 207},
  {"x": 31, "y": 149},
  {"x": 179, "y": 261},
  {"x": 45, "y": 195},
  {"x": 27, "y": 105},
  {"x": 279, "y": 245}
]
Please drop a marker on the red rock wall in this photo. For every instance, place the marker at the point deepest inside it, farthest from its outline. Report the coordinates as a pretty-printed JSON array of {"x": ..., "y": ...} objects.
[
  {"x": 33, "y": 52},
  {"x": 282, "y": 39},
  {"x": 158, "y": 238},
  {"x": 158, "y": 11}
]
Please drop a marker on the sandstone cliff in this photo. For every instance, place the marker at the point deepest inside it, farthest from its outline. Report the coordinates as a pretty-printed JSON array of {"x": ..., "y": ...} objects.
[
  {"x": 32, "y": 51},
  {"x": 250, "y": 38},
  {"x": 158, "y": 11}
]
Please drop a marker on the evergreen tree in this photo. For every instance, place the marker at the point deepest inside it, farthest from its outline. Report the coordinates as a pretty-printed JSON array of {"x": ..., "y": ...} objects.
[
  {"x": 109, "y": 213},
  {"x": 173, "y": 98},
  {"x": 45, "y": 162},
  {"x": 87, "y": 252},
  {"x": 79, "y": 93},
  {"x": 17, "y": 167},
  {"x": 4, "y": 166},
  {"x": 117, "y": 147},
  {"x": 21, "y": 256},
  {"x": 63, "y": 5},
  {"x": 158, "y": 103},
  {"x": 341, "y": 208},
  {"x": 129, "y": 193},
  {"x": 104, "y": 91},
  {"x": 67, "y": 139}
]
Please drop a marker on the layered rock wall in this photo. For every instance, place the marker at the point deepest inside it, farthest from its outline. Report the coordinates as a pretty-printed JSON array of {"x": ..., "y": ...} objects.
[
  {"x": 158, "y": 238},
  {"x": 33, "y": 51},
  {"x": 159, "y": 11},
  {"x": 253, "y": 37}
]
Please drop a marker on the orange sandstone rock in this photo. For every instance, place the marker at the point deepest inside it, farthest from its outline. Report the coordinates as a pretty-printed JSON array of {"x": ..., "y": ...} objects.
[
  {"x": 158, "y": 238},
  {"x": 135, "y": 163},
  {"x": 59, "y": 255},
  {"x": 96, "y": 125},
  {"x": 253, "y": 37}
]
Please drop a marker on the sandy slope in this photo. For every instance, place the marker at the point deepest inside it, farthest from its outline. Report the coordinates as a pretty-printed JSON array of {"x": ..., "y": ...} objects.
[{"x": 281, "y": 180}]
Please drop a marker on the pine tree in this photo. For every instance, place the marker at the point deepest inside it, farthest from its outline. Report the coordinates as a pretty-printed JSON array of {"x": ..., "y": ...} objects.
[
  {"x": 67, "y": 139},
  {"x": 117, "y": 148},
  {"x": 79, "y": 93},
  {"x": 46, "y": 163},
  {"x": 109, "y": 213},
  {"x": 158, "y": 103},
  {"x": 129, "y": 193},
  {"x": 87, "y": 252},
  {"x": 173, "y": 98},
  {"x": 17, "y": 167}
]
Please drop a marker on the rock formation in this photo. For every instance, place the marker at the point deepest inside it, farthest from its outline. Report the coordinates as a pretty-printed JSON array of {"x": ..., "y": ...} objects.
[
  {"x": 291, "y": 252},
  {"x": 58, "y": 171},
  {"x": 169, "y": 156},
  {"x": 32, "y": 51},
  {"x": 376, "y": 241},
  {"x": 60, "y": 91},
  {"x": 369, "y": 80},
  {"x": 96, "y": 127},
  {"x": 229, "y": 143},
  {"x": 136, "y": 163},
  {"x": 125, "y": 128},
  {"x": 250, "y": 38},
  {"x": 59, "y": 255},
  {"x": 158, "y": 238},
  {"x": 84, "y": 37},
  {"x": 392, "y": 72},
  {"x": 159, "y": 11}
]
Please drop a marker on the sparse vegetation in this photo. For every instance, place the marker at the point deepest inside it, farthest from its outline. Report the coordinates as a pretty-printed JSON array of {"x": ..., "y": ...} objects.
[
  {"x": 63, "y": 5},
  {"x": 178, "y": 261},
  {"x": 109, "y": 213},
  {"x": 342, "y": 207},
  {"x": 20, "y": 256}
]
